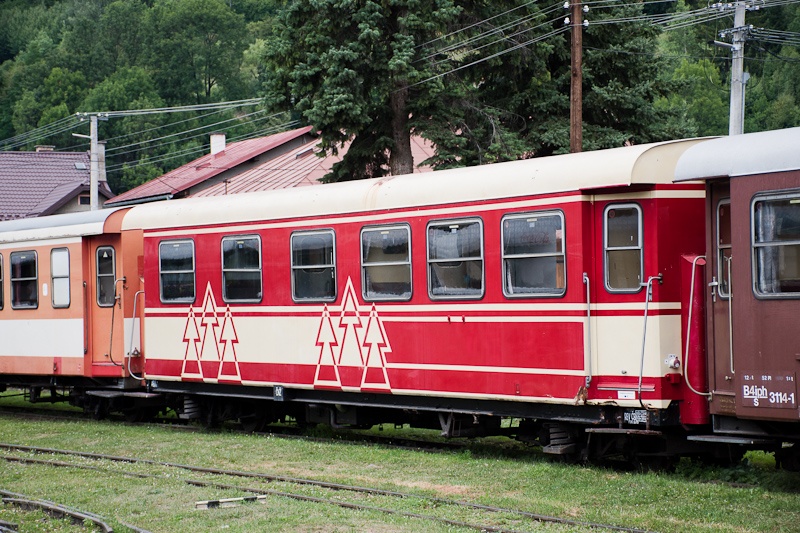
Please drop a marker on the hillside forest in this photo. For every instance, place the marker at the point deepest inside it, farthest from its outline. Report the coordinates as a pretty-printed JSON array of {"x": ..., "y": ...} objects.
[{"x": 484, "y": 80}]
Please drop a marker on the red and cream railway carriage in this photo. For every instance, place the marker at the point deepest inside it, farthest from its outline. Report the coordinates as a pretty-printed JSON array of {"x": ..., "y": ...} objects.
[
  {"x": 552, "y": 290},
  {"x": 68, "y": 284}
]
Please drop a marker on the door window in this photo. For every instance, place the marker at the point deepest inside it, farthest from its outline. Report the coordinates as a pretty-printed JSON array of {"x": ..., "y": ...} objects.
[
  {"x": 623, "y": 247},
  {"x": 724, "y": 248},
  {"x": 106, "y": 275}
]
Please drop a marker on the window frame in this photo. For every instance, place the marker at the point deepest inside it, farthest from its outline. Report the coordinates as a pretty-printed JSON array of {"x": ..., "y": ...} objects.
[
  {"x": 563, "y": 254},
  {"x": 332, "y": 265},
  {"x": 53, "y": 279},
  {"x": 2, "y": 292},
  {"x": 35, "y": 279},
  {"x": 364, "y": 264},
  {"x": 98, "y": 275},
  {"x": 721, "y": 270},
  {"x": 640, "y": 247},
  {"x": 260, "y": 269},
  {"x": 184, "y": 300},
  {"x": 754, "y": 247},
  {"x": 429, "y": 262}
]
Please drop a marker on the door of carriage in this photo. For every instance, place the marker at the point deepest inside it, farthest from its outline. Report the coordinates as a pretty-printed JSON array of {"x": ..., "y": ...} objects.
[
  {"x": 103, "y": 292},
  {"x": 720, "y": 298}
]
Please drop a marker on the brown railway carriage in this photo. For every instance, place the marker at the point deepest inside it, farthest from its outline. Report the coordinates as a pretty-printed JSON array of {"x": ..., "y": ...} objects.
[{"x": 753, "y": 280}]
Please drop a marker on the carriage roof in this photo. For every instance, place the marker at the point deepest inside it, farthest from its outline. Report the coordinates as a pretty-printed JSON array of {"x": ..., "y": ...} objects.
[
  {"x": 55, "y": 226},
  {"x": 643, "y": 164},
  {"x": 741, "y": 155}
]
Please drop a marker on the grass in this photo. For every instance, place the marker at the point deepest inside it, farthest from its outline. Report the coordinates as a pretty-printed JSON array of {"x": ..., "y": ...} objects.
[{"x": 750, "y": 497}]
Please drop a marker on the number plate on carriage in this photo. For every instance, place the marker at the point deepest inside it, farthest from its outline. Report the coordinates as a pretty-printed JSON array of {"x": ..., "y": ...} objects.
[{"x": 777, "y": 390}]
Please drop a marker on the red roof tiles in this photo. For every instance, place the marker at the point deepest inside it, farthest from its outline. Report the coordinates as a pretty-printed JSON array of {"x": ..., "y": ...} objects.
[{"x": 208, "y": 166}]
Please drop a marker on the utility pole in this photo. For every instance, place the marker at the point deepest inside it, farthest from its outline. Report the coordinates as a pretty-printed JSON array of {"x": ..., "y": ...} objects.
[
  {"x": 736, "y": 125},
  {"x": 94, "y": 164},
  {"x": 576, "y": 10},
  {"x": 738, "y": 76},
  {"x": 97, "y": 158}
]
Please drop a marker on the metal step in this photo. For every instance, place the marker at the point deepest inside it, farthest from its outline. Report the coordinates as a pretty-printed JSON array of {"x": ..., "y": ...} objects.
[
  {"x": 728, "y": 439},
  {"x": 626, "y": 431}
]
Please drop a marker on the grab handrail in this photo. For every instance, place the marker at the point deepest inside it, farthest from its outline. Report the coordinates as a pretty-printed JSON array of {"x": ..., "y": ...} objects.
[{"x": 648, "y": 295}]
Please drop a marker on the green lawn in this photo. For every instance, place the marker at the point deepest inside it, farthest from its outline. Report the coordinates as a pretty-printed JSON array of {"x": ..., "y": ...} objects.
[{"x": 751, "y": 497}]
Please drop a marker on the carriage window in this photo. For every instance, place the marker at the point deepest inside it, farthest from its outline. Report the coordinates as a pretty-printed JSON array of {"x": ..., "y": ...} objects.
[
  {"x": 176, "y": 271},
  {"x": 24, "y": 280},
  {"x": 313, "y": 266},
  {"x": 623, "y": 247},
  {"x": 776, "y": 245},
  {"x": 386, "y": 263},
  {"x": 106, "y": 276},
  {"x": 724, "y": 248},
  {"x": 455, "y": 259},
  {"x": 59, "y": 276},
  {"x": 1, "y": 283},
  {"x": 241, "y": 269},
  {"x": 533, "y": 254}
]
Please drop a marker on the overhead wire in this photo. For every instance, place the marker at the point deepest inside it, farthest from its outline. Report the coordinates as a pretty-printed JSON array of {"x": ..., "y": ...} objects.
[
  {"x": 190, "y": 137},
  {"x": 203, "y": 147},
  {"x": 480, "y": 22},
  {"x": 492, "y": 31},
  {"x": 184, "y": 132}
]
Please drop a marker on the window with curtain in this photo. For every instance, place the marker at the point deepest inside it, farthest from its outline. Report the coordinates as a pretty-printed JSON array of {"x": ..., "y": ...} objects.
[
  {"x": 776, "y": 245},
  {"x": 533, "y": 254}
]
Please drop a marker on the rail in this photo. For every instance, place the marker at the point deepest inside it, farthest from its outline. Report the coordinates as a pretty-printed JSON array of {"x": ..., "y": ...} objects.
[
  {"x": 133, "y": 329},
  {"x": 648, "y": 295},
  {"x": 689, "y": 331},
  {"x": 588, "y": 329},
  {"x": 117, "y": 302},
  {"x": 728, "y": 261}
]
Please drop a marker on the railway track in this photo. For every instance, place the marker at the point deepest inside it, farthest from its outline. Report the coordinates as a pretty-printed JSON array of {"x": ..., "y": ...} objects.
[
  {"x": 353, "y": 497},
  {"x": 354, "y": 436}
]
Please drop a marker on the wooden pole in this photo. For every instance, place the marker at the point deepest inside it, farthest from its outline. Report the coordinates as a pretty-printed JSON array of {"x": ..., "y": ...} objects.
[{"x": 576, "y": 78}]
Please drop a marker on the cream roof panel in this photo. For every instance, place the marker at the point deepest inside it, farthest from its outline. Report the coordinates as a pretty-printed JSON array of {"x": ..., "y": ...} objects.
[{"x": 646, "y": 164}]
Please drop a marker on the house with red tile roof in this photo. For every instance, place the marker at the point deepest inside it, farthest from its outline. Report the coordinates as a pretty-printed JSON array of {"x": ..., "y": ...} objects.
[
  {"x": 45, "y": 182},
  {"x": 223, "y": 162},
  {"x": 280, "y": 161}
]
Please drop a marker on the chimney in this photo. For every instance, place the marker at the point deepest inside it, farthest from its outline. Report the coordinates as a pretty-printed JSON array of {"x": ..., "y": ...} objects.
[
  {"x": 217, "y": 143},
  {"x": 46, "y": 148}
]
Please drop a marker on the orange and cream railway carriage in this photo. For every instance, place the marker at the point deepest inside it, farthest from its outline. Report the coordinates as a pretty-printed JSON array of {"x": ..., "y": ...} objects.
[{"x": 67, "y": 289}]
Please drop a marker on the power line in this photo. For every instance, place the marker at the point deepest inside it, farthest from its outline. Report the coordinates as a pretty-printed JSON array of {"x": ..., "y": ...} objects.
[
  {"x": 201, "y": 134},
  {"x": 480, "y": 22},
  {"x": 199, "y": 128},
  {"x": 73, "y": 121},
  {"x": 494, "y": 31}
]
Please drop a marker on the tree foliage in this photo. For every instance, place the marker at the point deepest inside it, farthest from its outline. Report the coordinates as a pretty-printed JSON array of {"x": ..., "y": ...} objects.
[
  {"x": 350, "y": 68},
  {"x": 484, "y": 80},
  {"x": 63, "y": 57}
]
